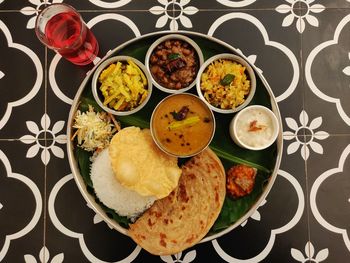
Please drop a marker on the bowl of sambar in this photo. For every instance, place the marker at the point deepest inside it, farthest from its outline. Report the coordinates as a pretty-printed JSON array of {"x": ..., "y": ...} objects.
[{"x": 182, "y": 125}]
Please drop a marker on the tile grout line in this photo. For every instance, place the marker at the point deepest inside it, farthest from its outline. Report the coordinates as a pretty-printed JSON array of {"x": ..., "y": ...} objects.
[
  {"x": 45, "y": 166},
  {"x": 307, "y": 206},
  {"x": 210, "y": 10},
  {"x": 175, "y": 9},
  {"x": 173, "y": 18}
]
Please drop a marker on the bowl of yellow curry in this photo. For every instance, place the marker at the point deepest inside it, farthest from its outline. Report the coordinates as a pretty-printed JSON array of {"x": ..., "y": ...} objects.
[
  {"x": 121, "y": 85},
  {"x": 182, "y": 125}
]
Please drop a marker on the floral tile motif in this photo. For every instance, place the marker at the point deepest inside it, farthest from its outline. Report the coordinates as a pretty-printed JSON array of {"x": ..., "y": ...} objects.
[
  {"x": 305, "y": 135},
  {"x": 182, "y": 12},
  {"x": 33, "y": 10},
  {"x": 310, "y": 254},
  {"x": 301, "y": 14},
  {"x": 53, "y": 136},
  {"x": 179, "y": 257},
  {"x": 44, "y": 256}
]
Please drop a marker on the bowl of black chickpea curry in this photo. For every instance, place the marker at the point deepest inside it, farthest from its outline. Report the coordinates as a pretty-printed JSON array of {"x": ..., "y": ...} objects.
[{"x": 173, "y": 62}]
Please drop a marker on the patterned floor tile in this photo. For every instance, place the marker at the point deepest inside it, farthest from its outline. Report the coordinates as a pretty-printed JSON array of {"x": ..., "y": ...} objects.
[
  {"x": 329, "y": 25},
  {"x": 327, "y": 70},
  {"x": 330, "y": 199},
  {"x": 6, "y": 5},
  {"x": 18, "y": 123},
  {"x": 64, "y": 79},
  {"x": 233, "y": 5},
  {"x": 115, "y": 28},
  {"x": 21, "y": 55},
  {"x": 22, "y": 180},
  {"x": 332, "y": 4},
  {"x": 122, "y": 5},
  {"x": 200, "y": 253}
]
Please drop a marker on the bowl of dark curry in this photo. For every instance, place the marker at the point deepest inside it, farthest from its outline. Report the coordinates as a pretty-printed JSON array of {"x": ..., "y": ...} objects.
[
  {"x": 182, "y": 125},
  {"x": 173, "y": 62}
]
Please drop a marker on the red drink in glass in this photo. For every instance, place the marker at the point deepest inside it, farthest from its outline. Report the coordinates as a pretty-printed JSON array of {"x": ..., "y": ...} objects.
[{"x": 61, "y": 28}]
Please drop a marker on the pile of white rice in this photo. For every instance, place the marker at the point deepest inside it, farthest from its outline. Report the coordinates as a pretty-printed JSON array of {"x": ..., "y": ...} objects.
[{"x": 111, "y": 193}]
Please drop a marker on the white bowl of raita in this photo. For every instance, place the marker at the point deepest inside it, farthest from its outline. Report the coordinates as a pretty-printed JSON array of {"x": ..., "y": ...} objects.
[{"x": 254, "y": 128}]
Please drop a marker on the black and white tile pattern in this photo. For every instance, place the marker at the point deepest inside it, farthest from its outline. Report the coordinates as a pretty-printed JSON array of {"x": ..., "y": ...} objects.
[{"x": 302, "y": 48}]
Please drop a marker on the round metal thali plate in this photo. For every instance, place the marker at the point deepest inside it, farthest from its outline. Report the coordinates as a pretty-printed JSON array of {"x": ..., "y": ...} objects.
[{"x": 221, "y": 143}]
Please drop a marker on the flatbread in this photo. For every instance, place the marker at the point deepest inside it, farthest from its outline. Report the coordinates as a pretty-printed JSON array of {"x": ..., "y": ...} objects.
[{"x": 183, "y": 218}]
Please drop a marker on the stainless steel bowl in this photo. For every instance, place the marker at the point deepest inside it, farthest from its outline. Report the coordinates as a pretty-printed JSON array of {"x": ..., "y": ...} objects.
[
  {"x": 172, "y": 37},
  {"x": 234, "y": 58},
  {"x": 98, "y": 95},
  {"x": 162, "y": 146}
]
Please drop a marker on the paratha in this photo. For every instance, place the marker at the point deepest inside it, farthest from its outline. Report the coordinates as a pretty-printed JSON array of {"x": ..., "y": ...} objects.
[{"x": 183, "y": 218}]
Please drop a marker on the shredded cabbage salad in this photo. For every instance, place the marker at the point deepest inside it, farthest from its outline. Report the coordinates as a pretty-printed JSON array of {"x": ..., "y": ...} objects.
[{"x": 94, "y": 129}]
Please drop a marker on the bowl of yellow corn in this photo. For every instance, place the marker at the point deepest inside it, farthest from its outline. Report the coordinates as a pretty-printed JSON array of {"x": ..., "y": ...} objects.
[{"x": 121, "y": 85}]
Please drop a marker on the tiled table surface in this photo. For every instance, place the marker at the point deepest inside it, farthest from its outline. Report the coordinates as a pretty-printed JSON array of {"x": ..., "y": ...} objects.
[{"x": 303, "y": 50}]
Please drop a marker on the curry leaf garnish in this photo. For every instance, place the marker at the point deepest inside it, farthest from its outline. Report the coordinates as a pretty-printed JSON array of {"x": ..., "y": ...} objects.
[
  {"x": 181, "y": 114},
  {"x": 175, "y": 115},
  {"x": 227, "y": 79},
  {"x": 173, "y": 56}
]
